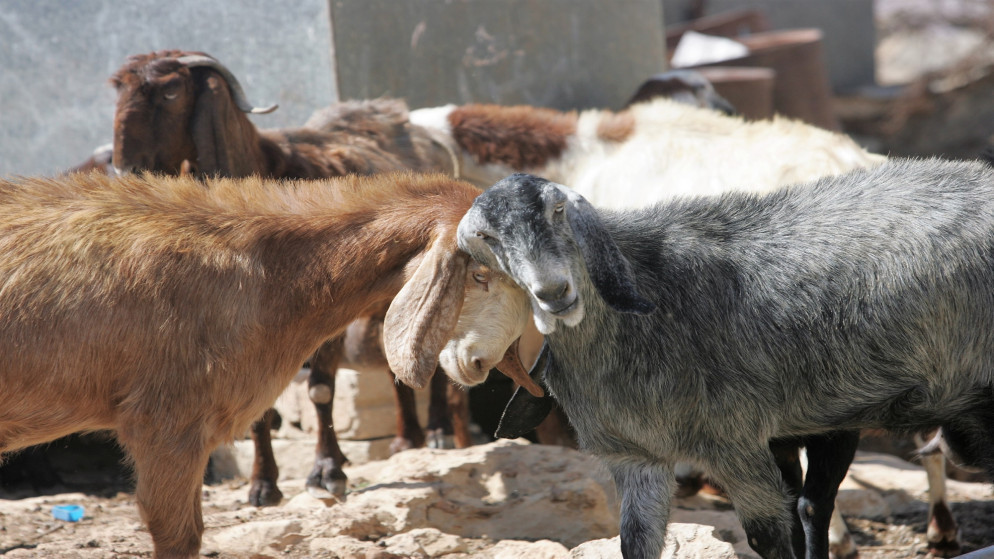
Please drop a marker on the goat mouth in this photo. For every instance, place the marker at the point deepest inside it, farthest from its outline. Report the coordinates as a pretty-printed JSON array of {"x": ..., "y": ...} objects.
[
  {"x": 564, "y": 310},
  {"x": 468, "y": 376}
]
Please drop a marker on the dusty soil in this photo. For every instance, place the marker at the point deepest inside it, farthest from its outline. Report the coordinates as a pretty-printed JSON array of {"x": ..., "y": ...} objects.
[{"x": 111, "y": 527}]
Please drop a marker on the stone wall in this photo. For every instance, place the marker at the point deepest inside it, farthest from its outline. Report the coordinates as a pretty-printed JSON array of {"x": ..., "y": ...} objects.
[
  {"x": 56, "y": 106},
  {"x": 564, "y": 54}
]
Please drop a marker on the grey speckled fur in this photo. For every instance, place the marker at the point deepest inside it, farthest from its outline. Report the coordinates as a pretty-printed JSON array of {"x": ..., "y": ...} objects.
[{"x": 862, "y": 300}]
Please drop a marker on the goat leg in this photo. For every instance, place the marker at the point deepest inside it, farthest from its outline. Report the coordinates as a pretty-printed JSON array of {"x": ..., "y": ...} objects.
[
  {"x": 169, "y": 470},
  {"x": 327, "y": 476},
  {"x": 263, "y": 490},
  {"x": 458, "y": 405},
  {"x": 439, "y": 420},
  {"x": 409, "y": 433},
  {"x": 644, "y": 488},
  {"x": 787, "y": 455},
  {"x": 758, "y": 494},
  {"x": 942, "y": 533},
  {"x": 829, "y": 457}
]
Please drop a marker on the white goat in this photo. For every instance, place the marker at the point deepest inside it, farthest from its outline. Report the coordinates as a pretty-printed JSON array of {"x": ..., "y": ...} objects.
[{"x": 651, "y": 151}]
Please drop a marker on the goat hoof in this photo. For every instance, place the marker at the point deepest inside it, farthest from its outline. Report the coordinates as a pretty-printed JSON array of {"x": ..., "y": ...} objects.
[
  {"x": 327, "y": 480},
  {"x": 944, "y": 548},
  {"x": 437, "y": 439},
  {"x": 845, "y": 549},
  {"x": 400, "y": 444},
  {"x": 264, "y": 494},
  {"x": 688, "y": 486}
]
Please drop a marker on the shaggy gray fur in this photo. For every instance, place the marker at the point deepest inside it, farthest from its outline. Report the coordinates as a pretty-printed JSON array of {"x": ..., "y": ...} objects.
[{"x": 863, "y": 300}]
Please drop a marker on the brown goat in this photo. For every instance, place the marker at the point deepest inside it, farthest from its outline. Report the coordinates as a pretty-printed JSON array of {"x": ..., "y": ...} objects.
[
  {"x": 181, "y": 110},
  {"x": 175, "y": 314}
]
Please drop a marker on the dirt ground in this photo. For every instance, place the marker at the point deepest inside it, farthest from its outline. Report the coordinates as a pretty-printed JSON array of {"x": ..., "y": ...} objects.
[{"x": 111, "y": 528}]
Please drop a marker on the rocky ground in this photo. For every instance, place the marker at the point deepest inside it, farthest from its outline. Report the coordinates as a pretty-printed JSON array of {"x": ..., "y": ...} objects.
[{"x": 496, "y": 500}]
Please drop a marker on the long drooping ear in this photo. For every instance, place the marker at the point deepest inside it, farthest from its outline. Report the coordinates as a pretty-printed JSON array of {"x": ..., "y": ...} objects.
[
  {"x": 609, "y": 270},
  {"x": 524, "y": 411},
  {"x": 227, "y": 142},
  {"x": 424, "y": 314},
  {"x": 512, "y": 367}
]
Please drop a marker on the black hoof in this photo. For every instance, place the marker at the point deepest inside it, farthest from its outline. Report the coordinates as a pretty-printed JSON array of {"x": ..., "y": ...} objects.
[{"x": 264, "y": 494}]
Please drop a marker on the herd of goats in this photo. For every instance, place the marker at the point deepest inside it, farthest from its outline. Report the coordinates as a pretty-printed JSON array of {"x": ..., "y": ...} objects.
[{"x": 675, "y": 287}]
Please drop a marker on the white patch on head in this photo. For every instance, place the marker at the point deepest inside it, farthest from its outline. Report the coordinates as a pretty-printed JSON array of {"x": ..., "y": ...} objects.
[
  {"x": 436, "y": 118},
  {"x": 494, "y": 314},
  {"x": 545, "y": 322}
]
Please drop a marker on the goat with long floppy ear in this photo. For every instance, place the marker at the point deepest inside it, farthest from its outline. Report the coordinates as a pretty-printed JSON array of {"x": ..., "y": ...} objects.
[
  {"x": 609, "y": 271},
  {"x": 176, "y": 105},
  {"x": 424, "y": 313},
  {"x": 227, "y": 143},
  {"x": 182, "y": 112}
]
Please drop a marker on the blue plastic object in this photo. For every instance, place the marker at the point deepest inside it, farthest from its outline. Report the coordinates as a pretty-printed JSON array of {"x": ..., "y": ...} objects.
[{"x": 69, "y": 513}]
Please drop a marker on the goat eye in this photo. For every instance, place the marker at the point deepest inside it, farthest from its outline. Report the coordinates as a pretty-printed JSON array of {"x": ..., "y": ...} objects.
[
  {"x": 170, "y": 96},
  {"x": 482, "y": 235},
  {"x": 559, "y": 208},
  {"x": 480, "y": 278}
]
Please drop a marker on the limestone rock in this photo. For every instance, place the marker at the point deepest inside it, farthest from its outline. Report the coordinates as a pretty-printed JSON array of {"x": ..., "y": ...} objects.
[
  {"x": 258, "y": 535},
  {"x": 425, "y": 541},
  {"x": 683, "y": 541},
  {"x": 501, "y": 490},
  {"x": 516, "y": 549},
  {"x": 344, "y": 546}
]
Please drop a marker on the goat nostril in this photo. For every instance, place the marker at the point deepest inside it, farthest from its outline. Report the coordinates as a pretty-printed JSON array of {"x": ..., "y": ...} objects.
[{"x": 477, "y": 364}]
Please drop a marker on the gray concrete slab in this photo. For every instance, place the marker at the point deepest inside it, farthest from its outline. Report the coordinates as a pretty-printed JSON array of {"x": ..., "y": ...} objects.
[
  {"x": 556, "y": 53},
  {"x": 56, "y": 57}
]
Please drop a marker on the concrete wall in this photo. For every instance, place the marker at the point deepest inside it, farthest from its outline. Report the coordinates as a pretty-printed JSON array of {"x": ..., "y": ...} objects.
[
  {"x": 56, "y": 57},
  {"x": 564, "y": 54}
]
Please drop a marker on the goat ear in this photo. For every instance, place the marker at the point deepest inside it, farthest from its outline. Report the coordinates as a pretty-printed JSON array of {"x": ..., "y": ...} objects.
[
  {"x": 227, "y": 142},
  {"x": 524, "y": 411},
  {"x": 512, "y": 368},
  {"x": 609, "y": 270},
  {"x": 424, "y": 313}
]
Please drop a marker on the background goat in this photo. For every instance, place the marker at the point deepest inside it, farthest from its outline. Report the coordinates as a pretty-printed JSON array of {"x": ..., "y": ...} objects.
[
  {"x": 856, "y": 301},
  {"x": 175, "y": 314},
  {"x": 179, "y": 110},
  {"x": 624, "y": 158}
]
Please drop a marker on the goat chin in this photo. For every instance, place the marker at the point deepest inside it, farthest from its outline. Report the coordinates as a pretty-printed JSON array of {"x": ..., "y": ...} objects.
[
  {"x": 547, "y": 322},
  {"x": 458, "y": 371}
]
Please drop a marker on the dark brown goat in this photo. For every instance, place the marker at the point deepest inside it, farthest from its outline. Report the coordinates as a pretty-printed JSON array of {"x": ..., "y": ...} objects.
[
  {"x": 175, "y": 314},
  {"x": 181, "y": 110}
]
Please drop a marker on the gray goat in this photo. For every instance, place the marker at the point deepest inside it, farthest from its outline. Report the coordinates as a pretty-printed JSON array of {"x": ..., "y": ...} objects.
[{"x": 703, "y": 329}]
